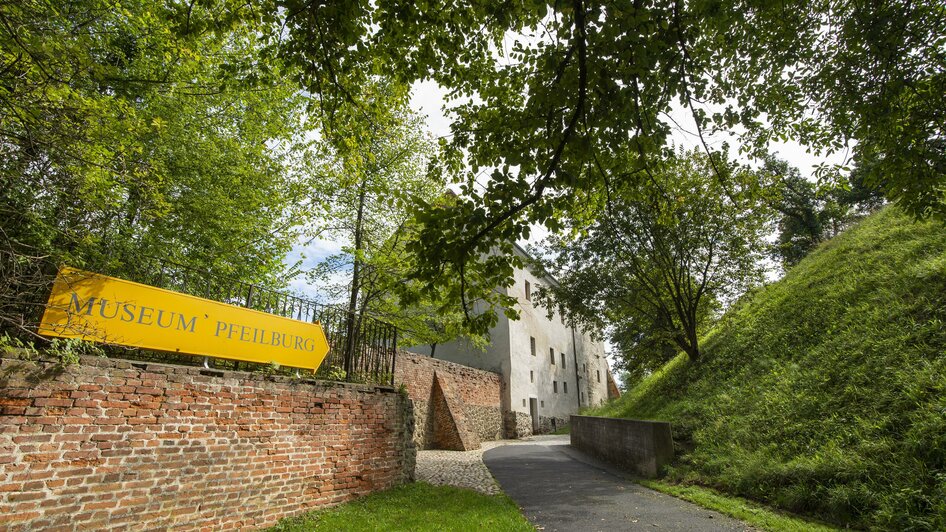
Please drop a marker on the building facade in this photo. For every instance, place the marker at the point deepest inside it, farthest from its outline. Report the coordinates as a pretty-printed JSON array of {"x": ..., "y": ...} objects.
[{"x": 550, "y": 370}]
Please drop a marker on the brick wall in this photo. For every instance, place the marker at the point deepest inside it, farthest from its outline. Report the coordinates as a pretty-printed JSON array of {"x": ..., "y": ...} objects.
[
  {"x": 114, "y": 444},
  {"x": 479, "y": 391}
]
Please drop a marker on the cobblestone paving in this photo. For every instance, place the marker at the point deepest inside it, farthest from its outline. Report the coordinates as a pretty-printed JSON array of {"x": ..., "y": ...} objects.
[{"x": 465, "y": 469}]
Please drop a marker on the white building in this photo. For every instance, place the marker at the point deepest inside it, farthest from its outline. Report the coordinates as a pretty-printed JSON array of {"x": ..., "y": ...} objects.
[{"x": 550, "y": 370}]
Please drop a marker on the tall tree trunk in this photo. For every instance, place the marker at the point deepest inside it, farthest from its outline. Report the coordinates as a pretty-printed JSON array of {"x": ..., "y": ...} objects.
[
  {"x": 693, "y": 346},
  {"x": 355, "y": 281},
  {"x": 693, "y": 339}
]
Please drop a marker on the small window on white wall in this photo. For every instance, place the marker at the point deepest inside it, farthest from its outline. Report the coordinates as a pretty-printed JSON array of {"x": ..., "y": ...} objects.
[
  {"x": 599, "y": 375},
  {"x": 523, "y": 402},
  {"x": 564, "y": 387},
  {"x": 532, "y": 344},
  {"x": 531, "y": 376},
  {"x": 552, "y": 354},
  {"x": 554, "y": 386},
  {"x": 528, "y": 291},
  {"x": 563, "y": 360}
]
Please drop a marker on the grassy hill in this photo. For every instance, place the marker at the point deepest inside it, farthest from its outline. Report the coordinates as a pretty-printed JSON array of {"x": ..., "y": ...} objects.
[{"x": 823, "y": 393}]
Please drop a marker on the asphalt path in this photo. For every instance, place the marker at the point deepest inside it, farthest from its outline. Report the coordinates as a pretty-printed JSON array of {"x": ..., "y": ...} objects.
[{"x": 562, "y": 489}]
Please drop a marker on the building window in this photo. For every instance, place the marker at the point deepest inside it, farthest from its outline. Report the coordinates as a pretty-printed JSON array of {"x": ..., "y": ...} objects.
[
  {"x": 585, "y": 366},
  {"x": 528, "y": 291},
  {"x": 563, "y": 360},
  {"x": 531, "y": 376},
  {"x": 543, "y": 404},
  {"x": 554, "y": 386},
  {"x": 564, "y": 387},
  {"x": 599, "y": 375},
  {"x": 552, "y": 354},
  {"x": 523, "y": 402},
  {"x": 582, "y": 398},
  {"x": 532, "y": 344}
]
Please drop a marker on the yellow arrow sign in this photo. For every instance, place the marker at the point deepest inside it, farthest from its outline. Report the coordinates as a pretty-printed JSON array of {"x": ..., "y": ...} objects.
[{"x": 105, "y": 309}]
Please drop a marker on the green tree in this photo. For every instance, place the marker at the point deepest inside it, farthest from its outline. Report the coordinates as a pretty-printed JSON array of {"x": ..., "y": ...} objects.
[
  {"x": 370, "y": 182},
  {"x": 135, "y": 131},
  {"x": 653, "y": 269},
  {"x": 808, "y": 216},
  {"x": 551, "y": 95},
  {"x": 422, "y": 316},
  {"x": 801, "y": 224}
]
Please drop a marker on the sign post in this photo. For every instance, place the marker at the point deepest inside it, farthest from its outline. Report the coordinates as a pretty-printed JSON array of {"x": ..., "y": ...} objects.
[{"x": 98, "y": 308}]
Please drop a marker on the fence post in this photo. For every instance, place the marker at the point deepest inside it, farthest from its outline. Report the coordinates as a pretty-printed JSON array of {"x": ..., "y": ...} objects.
[
  {"x": 249, "y": 298},
  {"x": 393, "y": 354}
]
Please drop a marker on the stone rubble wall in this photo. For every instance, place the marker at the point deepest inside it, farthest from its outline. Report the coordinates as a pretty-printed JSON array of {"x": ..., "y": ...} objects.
[
  {"x": 112, "y": 444},
  {"x": 518, "y": 425},
  {"x": 550, "y": 424}
]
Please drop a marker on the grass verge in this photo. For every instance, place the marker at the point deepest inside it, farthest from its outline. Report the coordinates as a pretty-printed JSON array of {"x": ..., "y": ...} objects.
[
  {"x": 417, "y": 507},
  {"x": 746, "y": 511}
]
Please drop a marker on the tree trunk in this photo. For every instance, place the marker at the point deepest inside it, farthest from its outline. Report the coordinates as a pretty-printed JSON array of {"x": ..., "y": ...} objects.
[
  {"x": 355, "y": 282},
  {"x": 687, "y": 341}
]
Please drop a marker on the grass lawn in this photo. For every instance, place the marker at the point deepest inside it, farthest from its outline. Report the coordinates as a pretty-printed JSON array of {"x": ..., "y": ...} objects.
[{"x": 418, "y": 506}]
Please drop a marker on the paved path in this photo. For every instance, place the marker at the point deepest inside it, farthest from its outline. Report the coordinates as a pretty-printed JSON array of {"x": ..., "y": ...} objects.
[
  {"x": 465, "y": 469},
  {"x": 561, "y": 489}
]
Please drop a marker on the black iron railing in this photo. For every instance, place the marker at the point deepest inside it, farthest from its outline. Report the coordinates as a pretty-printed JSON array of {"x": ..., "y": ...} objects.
[{"x": 361, "y": 347}]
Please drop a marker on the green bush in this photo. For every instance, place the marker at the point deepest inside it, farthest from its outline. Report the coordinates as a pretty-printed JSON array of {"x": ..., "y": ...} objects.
[{"x": 824, "y": 393}]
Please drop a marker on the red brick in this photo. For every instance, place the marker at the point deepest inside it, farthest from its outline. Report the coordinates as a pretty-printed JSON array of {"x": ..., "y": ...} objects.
[{"x": 111, "y": 445}]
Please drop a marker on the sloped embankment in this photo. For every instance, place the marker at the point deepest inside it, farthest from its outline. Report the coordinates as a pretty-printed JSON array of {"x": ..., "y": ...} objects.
[{"x": 824, "y": 393}]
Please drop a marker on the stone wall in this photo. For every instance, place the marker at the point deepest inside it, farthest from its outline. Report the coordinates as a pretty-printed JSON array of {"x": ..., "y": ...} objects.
[
  {"x": 641, "y": 447},
  {"x": 549, "y": 424},
  {"x": 111, "y": 444},
  {"x": 479, "y": 394},
  {"x": 518, "y": 425}
]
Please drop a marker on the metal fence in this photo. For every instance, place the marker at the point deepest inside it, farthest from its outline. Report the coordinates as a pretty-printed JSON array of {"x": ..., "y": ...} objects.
[{"x": 361, "y": 348}]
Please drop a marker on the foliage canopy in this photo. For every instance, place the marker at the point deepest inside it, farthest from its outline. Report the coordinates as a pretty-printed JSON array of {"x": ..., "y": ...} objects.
[
  {"x": 369, "y": 182},
  {"x": 550, "y": 96},
  {"x": 141, "y": 131},
  {"x": 652, "y": 269}
]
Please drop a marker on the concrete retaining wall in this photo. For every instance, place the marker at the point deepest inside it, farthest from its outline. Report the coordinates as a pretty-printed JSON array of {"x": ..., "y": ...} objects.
[{"x": 640, "y": 447}]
